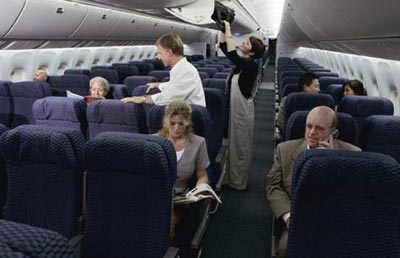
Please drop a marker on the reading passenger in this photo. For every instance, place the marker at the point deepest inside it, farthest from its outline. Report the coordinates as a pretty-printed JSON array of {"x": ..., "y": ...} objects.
[
  {"x": 192, "y": 158},
  {"x": 191, "y": 149},
  {"x": 99, "y": 87}
]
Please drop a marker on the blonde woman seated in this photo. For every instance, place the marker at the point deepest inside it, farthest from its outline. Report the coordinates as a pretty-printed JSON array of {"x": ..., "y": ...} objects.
[
  {"x": 192, "y": 158},
  {"x": 191, "y": 149}
]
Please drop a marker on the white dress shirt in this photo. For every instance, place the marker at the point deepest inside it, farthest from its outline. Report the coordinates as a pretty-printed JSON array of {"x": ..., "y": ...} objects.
[{"x": 184, "y": 83}]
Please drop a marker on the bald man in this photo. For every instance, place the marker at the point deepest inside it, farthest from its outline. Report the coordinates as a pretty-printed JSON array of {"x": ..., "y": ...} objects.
[{"x": 320, "y": 124}]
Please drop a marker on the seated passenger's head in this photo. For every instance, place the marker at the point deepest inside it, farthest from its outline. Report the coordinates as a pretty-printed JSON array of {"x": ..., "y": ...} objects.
[
  {"x": 40, "y": 76},
  {"x": 309, "y": 83},
  {"x": 320, "y": 123},
  {"x": 253, "y": 47},
  {"x": 177, "y": 121},
  {"x": 169, "y": 46},
  {"x": 352, "y": 87},
  {"x": 99, "y": 87}
]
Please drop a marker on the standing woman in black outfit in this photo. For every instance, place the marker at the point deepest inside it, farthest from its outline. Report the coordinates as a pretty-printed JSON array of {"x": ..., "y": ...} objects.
[{"x": 241, "y": 89}]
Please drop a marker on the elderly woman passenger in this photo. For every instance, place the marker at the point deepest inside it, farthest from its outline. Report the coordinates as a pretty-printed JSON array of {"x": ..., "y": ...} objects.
[{"x": 99, "y": 87}]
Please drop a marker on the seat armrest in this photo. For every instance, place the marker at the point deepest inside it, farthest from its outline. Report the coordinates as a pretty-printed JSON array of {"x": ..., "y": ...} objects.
[
  {"x": 205, "y": 210},
  {"x": 172, "y": 252}
]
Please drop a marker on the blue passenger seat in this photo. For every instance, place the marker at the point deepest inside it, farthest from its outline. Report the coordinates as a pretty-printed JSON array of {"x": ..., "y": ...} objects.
[
  {"x": 381, "y": 134},
  {"x": 45, "y": 171},
  {"x": 6, "y": 103},
  {"x": 130, "y": 180},
  {"x": 24, "y": 94},
  {"x": 344, "y": 204},
  {"x": 76, "y": 83},
  {"x": 61, "y": 112},
  {"x": 115, "y": 116}
]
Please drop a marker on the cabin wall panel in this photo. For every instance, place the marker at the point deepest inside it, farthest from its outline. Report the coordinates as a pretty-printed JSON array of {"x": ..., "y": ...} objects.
[
  {"x": 381, "y": 77},
  {"x": 19, "y": 65}
]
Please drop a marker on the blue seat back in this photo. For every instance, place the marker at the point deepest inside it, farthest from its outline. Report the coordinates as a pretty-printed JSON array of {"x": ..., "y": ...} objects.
[
  {"x": 304, "y": 101},
  {"x": 143, "y": 67},
  {"x": 216, "y": 106},
  {"x": 360, "y": 107},
  {"x": 61, "y": 112},
  {"x": 126, "y": 71},
  {"x": 344, "y": 204},
  {"x": 204, "y": 75},
  {"x": 24, "y": 94},
  {"x": 157, "y": 64},
  {"x": 111, "y": 75},
  {"x": 114, "y": 116},
  {"x": 132, "y": 82},
  {"x": 381, "y": 134},
  {"x": 44, "y": 166},
  {"x": 211, "y": 71},
  {"x": 347, "y": 126},
  {"x": 20, "y": 240},
  {"x": 214, "y": 83},
  {"x": 117, "y": 91},
  {"x": 6, "y": 103},
  {"x": 78, "y": 71},
  {"x": 77, "y": 83},
  {"x": 159, "y": 74},
  {"x": 221, "y": 75},
  {"x": 325, "y": 81},
  {"x": 130, "y": 179},
  {"x": 217, "y": 66}
]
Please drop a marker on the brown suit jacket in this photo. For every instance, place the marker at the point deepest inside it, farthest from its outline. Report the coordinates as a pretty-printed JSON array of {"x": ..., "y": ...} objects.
[{"x": 279, "y": 178}]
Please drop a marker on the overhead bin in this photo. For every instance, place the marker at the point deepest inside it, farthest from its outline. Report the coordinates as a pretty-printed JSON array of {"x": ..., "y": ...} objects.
[
  {"x": 129, "y": 26},
  {"x": 48, "y": 19},
  {"x": 97, "y": 24},
  {"x": 9, "y": 12}
]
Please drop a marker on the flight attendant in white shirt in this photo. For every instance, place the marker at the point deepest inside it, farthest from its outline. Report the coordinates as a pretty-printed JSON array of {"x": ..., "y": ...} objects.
[{"x": 184, "y": 83}]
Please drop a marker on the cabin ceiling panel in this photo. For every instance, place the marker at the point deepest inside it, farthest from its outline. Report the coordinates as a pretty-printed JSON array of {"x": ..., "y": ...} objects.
[
  {"x": 343, "y": 20},
  {"x": 47, "y": 19},
  {"x": 9, "y": 11},
  {"x": 97, "y": 24}
]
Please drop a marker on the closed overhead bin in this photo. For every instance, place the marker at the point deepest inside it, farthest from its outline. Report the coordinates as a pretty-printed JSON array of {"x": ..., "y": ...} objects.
[
  {"x": 9, "y": 11},
  {"x": 97, "y": 24},
  {"x": 47, "y": 19}
]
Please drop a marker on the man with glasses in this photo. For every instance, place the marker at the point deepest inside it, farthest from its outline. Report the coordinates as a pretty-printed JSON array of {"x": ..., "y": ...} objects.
[{"x": 320, "y": 127}]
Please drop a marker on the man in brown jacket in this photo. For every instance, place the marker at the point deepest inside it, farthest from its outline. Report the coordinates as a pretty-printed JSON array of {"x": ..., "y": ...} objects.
[{"x": 320, "y": 125}]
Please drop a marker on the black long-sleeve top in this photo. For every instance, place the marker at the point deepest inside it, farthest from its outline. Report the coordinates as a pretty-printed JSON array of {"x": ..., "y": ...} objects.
[{"x": 246, "y": 66}]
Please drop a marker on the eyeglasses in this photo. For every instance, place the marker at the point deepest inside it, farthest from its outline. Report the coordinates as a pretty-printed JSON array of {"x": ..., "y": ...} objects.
[{"x": 317, "y": 129}]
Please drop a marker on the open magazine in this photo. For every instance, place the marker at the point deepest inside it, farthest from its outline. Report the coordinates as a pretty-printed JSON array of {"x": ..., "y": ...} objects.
[
  {"x": 87, "y": 99},
  {"x": 200, "y": 192}
]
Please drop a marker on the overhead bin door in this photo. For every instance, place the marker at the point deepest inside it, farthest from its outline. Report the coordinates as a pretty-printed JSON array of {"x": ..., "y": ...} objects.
[
  {"x": 48, "y": 19},
  {"x": 97, "y": 24},
  {"x": 9, "y": 12},
  {"x": 129, "y": 26}
]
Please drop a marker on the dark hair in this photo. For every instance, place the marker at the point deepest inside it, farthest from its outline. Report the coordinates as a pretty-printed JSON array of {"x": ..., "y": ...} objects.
[
  {"x": 171, "y": 41},
  {"x": 257, "y": 47},
  {"x": 356, "y": 85},
  {"x": 306, "y": 79}
]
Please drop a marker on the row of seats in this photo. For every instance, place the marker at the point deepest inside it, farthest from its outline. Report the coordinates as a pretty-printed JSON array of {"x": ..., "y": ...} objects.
[
  {"x": 290, "y": 70},
  {"x": 124, "y": 195},
  {"x": 358, "y": 107}
]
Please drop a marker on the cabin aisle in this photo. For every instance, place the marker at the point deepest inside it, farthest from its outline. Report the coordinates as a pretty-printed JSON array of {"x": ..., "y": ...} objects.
[{"x": 242, "y": 226}]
